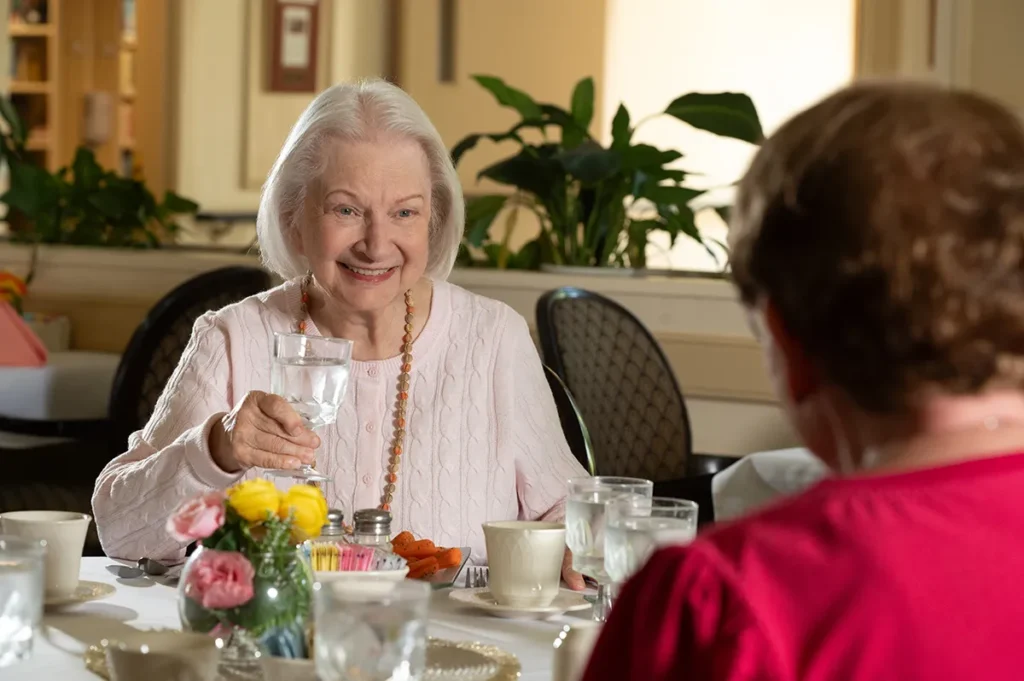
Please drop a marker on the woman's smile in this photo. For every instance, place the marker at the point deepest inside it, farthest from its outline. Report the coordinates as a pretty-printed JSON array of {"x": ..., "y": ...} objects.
[{"x": 369, "y": 275}]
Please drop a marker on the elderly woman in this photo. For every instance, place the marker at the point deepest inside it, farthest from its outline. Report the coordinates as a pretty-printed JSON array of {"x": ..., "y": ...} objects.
[
  {"x": 878, "y": 244},
  {"x": 449, "y": 421}
]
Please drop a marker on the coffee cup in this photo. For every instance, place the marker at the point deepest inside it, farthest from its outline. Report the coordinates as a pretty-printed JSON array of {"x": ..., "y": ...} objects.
[
  {"x": 573, "y": 647},
  {"x": 525, "y": 561},
  {"x": 163, "y": 656},
  {"x": 64, "y": 534}
]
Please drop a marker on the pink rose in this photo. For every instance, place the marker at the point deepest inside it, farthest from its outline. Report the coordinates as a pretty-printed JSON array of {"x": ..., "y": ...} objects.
[
  {"x": 220, "y": 580},
  {"x": 198, "y": 518}
]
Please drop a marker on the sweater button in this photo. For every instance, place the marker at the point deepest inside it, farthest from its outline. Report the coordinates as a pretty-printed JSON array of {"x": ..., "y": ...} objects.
[
  {"x": 373, "y": 371},
  {"x": 369, "y": 428},
  {"x": 367, "y": 479}
]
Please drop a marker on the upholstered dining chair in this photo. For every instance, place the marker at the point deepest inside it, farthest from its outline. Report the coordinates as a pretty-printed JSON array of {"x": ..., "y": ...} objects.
[
  {"x": 621, "y": 382},
  {"x": 575, "y": 429},
  {"x": 61, "y": 476}
]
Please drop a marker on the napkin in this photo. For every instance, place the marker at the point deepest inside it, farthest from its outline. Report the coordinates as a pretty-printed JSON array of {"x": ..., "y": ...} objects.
[
  {"x": 19, "y": 345},
  {"x": 759, "y": 479}
]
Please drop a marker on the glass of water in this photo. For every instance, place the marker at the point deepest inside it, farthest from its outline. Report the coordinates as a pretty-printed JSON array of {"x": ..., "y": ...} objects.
[
  {"x": 311, "y": 374},
  {"x": 585, "y": 521},
  {"x": 637, "y": 526},
  {"x": 21, "y": 596},
  {"x": 370, "y": 634}
]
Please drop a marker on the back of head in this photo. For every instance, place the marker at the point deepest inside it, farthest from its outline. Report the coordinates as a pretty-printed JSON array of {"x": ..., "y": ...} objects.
[{"x": 886, "y": 225}]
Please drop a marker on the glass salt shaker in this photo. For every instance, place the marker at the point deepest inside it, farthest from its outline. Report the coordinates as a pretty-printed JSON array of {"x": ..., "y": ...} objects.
[
  {"x": 335, "y": 526},
  {"x": 372, "y": 528}
]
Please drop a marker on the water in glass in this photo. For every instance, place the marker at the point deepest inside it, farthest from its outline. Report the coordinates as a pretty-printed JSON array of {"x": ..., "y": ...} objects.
[
  {"x": 371, "y": 636},
  {"x": 629, "y": 542},
  {"x": 584, "y": 531},
  {"x": 314, "y": 386},
  {"x": 21, "y": 598}
]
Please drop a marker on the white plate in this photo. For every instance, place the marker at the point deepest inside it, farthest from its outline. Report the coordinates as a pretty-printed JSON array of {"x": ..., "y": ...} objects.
[
  {"x": 565, "y": 601},
  {"x": 86, "y": 591}
]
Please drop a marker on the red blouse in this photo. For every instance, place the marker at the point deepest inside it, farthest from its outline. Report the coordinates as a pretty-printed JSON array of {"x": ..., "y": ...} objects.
[{"x": 907, "y": 576}]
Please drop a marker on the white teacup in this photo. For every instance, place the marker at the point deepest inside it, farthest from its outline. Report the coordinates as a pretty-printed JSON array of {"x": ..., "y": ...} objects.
[
  {"x": 163, "y": 656},
  {"x": 64, "y": 534},
  {"x": 525, "y": 561}
]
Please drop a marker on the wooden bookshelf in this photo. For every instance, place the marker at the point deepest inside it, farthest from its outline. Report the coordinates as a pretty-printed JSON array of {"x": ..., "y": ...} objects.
[{"x": 35, "y": 82}]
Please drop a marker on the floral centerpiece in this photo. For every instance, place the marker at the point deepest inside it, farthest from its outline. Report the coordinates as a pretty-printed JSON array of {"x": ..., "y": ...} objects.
[{"x": 247, "y": 582}]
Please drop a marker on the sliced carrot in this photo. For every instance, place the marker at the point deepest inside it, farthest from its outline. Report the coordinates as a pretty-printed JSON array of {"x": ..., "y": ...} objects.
[
  {"x": 422, "y": 568},
  {"x": 423, "y": 548},
  {"x": 402, "y": 539},
  {"x": 447, "y": 558}
]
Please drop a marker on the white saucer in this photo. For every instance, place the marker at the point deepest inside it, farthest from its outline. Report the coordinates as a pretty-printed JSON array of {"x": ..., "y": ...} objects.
[
  {"x": 565, "y": 601},
  {"x": 85, "y": 592}
]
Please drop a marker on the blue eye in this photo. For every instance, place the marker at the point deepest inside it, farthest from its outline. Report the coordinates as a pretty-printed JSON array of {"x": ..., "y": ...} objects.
[
  {"x": 405, "y": 213},
  {"x": 344, "y": 210}
]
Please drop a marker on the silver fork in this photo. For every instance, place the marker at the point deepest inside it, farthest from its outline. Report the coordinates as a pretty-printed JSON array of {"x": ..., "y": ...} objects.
[{"x": 476, "y": 577}]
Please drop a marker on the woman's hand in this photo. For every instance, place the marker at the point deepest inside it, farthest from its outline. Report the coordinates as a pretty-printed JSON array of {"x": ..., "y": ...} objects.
[
  {"x": 573, "y": 579},
  {"x": 262, "y": 430}
]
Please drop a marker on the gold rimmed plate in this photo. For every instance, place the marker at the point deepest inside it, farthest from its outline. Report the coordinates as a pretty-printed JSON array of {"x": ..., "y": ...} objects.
[{"x": 85, "y": 592}]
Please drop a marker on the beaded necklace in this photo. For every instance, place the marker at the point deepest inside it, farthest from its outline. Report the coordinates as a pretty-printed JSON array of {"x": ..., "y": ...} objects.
[{"x": 398, "y": 437}]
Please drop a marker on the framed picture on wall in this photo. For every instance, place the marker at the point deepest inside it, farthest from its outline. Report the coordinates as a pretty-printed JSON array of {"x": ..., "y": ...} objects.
[{"x": 294, "y": 25}]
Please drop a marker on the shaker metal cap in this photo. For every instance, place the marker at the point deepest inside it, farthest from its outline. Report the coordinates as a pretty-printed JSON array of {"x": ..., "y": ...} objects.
[
  {"x": 372, "y": 521},
  {"x": 335, "y": 524}
]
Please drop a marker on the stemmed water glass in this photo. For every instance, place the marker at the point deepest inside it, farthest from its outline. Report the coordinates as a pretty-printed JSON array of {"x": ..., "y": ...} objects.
[
  {"x": 585, "y": 520},
  {"x": 638, "y": 525},
  {"x": 311, "y": 374}
]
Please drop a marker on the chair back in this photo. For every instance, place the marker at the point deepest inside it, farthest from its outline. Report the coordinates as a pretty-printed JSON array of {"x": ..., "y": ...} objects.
[
  {"x": 572, "y": 422},
  {"x": 621, "y": 382},
  {"x": 157, "y": 345}
]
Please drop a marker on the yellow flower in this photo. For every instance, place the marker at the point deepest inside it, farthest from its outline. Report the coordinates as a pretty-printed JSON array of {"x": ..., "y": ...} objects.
[
  {"x": 308, "y": 508},
  {"x": 254, "y": 500}
]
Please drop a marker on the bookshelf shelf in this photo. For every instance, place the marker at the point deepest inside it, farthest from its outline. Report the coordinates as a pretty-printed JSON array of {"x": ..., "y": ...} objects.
[
  {"x": 30, "y": 87},
  {"x": 17, "y": 29}
]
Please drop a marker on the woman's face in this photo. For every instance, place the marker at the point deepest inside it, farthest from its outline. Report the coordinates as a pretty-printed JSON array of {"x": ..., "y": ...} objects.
[{"x": 366, "y": 235}]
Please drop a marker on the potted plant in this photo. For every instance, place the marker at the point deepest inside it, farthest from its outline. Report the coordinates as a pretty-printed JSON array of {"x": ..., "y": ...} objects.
[
  {"x": 83, "y": 204},
  {"x": 597, "y": 206}
]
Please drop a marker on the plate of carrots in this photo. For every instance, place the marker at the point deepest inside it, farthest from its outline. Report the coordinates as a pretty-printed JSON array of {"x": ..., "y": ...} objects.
[{"x": 438, "y": 565}]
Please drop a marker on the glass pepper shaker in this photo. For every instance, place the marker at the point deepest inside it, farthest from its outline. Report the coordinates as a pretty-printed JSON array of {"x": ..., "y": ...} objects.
[
  {"x": 372, "y": 528},
  {"x": 335, "y": 526}
]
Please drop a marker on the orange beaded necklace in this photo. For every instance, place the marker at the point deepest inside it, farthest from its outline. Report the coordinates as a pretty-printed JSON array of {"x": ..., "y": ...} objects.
[{"x": 398, "y": 438}]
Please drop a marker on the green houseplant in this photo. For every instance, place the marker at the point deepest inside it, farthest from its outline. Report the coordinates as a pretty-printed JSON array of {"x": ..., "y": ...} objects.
[
  {"x": 83, "y": 204},
  {"x": 596, "y": 205}
]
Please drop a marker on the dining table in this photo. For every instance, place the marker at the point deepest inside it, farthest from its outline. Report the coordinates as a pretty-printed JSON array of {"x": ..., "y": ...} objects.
[{"x": 151, "y": 603}]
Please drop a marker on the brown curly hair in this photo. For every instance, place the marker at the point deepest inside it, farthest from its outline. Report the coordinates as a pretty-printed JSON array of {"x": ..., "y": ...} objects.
[{"x": 886, "y": 225}]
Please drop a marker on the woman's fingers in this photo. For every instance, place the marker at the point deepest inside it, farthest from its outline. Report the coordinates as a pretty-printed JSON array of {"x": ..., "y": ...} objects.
[
  {"x": 275, "y": 407},
  {"x": 305, "y": 438},
  {"x": 573, "y": 579},
  {"x": 278, "y": 446}
]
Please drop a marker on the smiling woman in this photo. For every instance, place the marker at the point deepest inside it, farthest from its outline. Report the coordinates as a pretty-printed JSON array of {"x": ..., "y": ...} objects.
[{"x": 449, "y": 422}]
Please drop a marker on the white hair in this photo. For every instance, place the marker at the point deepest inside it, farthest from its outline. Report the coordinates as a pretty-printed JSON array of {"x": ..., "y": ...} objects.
[{"x": 355, "y": 111}]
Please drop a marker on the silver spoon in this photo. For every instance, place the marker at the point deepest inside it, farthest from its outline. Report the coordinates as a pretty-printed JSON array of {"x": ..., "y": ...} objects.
[{"x": 144, "y": 566}]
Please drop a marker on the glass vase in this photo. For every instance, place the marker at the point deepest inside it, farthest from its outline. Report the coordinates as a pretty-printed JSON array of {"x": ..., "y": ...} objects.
[{"x": 276, "y": 620}]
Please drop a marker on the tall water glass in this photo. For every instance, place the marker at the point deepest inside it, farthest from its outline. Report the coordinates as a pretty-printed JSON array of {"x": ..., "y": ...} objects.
[
  {"x": 637, "y": 526},
  {"x": 21, "y": 596},
  {"x": 585, "y": 527},
  {"x": 311, "y": 374},
  {"x": 377, "y": 634}
]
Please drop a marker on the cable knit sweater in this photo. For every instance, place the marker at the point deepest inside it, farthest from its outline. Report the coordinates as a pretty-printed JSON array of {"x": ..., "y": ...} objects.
[{"x": 483, "y": 439}]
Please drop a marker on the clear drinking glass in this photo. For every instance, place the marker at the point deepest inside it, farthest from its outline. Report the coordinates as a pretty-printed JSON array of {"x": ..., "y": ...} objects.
[
  {"x": 377, "y": 634},
  {"x": 585, "y": 527},
  {"x": 637, "y": 526},
  {"x": 311, "y": 373},
  {"x": 21, "y": 596}
]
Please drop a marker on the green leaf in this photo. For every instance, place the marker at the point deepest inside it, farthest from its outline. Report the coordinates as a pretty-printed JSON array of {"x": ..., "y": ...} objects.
[
  {"x": 724, "y": 212},
  {"x": 178, "y": 204},
  {"x": 528, "y": 171},
  {"x": 670, "y": 195},
  {"x": 729, "y": 114},
  {"x": 645, "y": 156},
  {"x": 480, "y": 214},
  {"x": 109, "y": 202},
  {"x": 33, "y": 191},
  {"x": 590, "y": 163},
  {"x": 14, "y": 122},
  {"x": 87, "y": 172},
  {"x": 621, "y": 133},
  {"x": 583, "y": 102},
  {"x": 680, "y": 219},
  {"x": 509, "y": 96},
  {"x": 528, "y": 257}
]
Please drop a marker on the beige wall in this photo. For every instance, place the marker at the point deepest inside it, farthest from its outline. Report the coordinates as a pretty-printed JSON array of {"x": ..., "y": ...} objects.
[{"x": 229, "y": 130}]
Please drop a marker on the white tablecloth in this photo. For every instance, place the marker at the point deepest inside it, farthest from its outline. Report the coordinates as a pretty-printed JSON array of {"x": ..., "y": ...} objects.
[{"x": 145, "y": 604}]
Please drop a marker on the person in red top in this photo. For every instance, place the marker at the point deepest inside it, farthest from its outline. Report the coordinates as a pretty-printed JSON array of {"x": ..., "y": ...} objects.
[{"x": 877, "y": 242}]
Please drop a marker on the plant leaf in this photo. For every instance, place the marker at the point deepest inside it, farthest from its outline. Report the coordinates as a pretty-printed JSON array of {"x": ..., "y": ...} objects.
[
  {"x": 178, "y": 204},
  {"x": 110, "y": 203},
  {"x": 724, "y": 212},
  {"x": 670, "y": 195},
  {"x": 590, "y": 163},
  {"x": 729, "y": 114},
  {"x": 621, "y": 133},
  {"x": 480, "y": 214},
  {"x": 645, "y": 156},
  {"x": 583, "y": 102},
  {"x": 680, "y": 219},
  {"x": 509, "y": 96},
  {"x": 14, "y": 122},
  {"x": 529, "y": 170}
]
